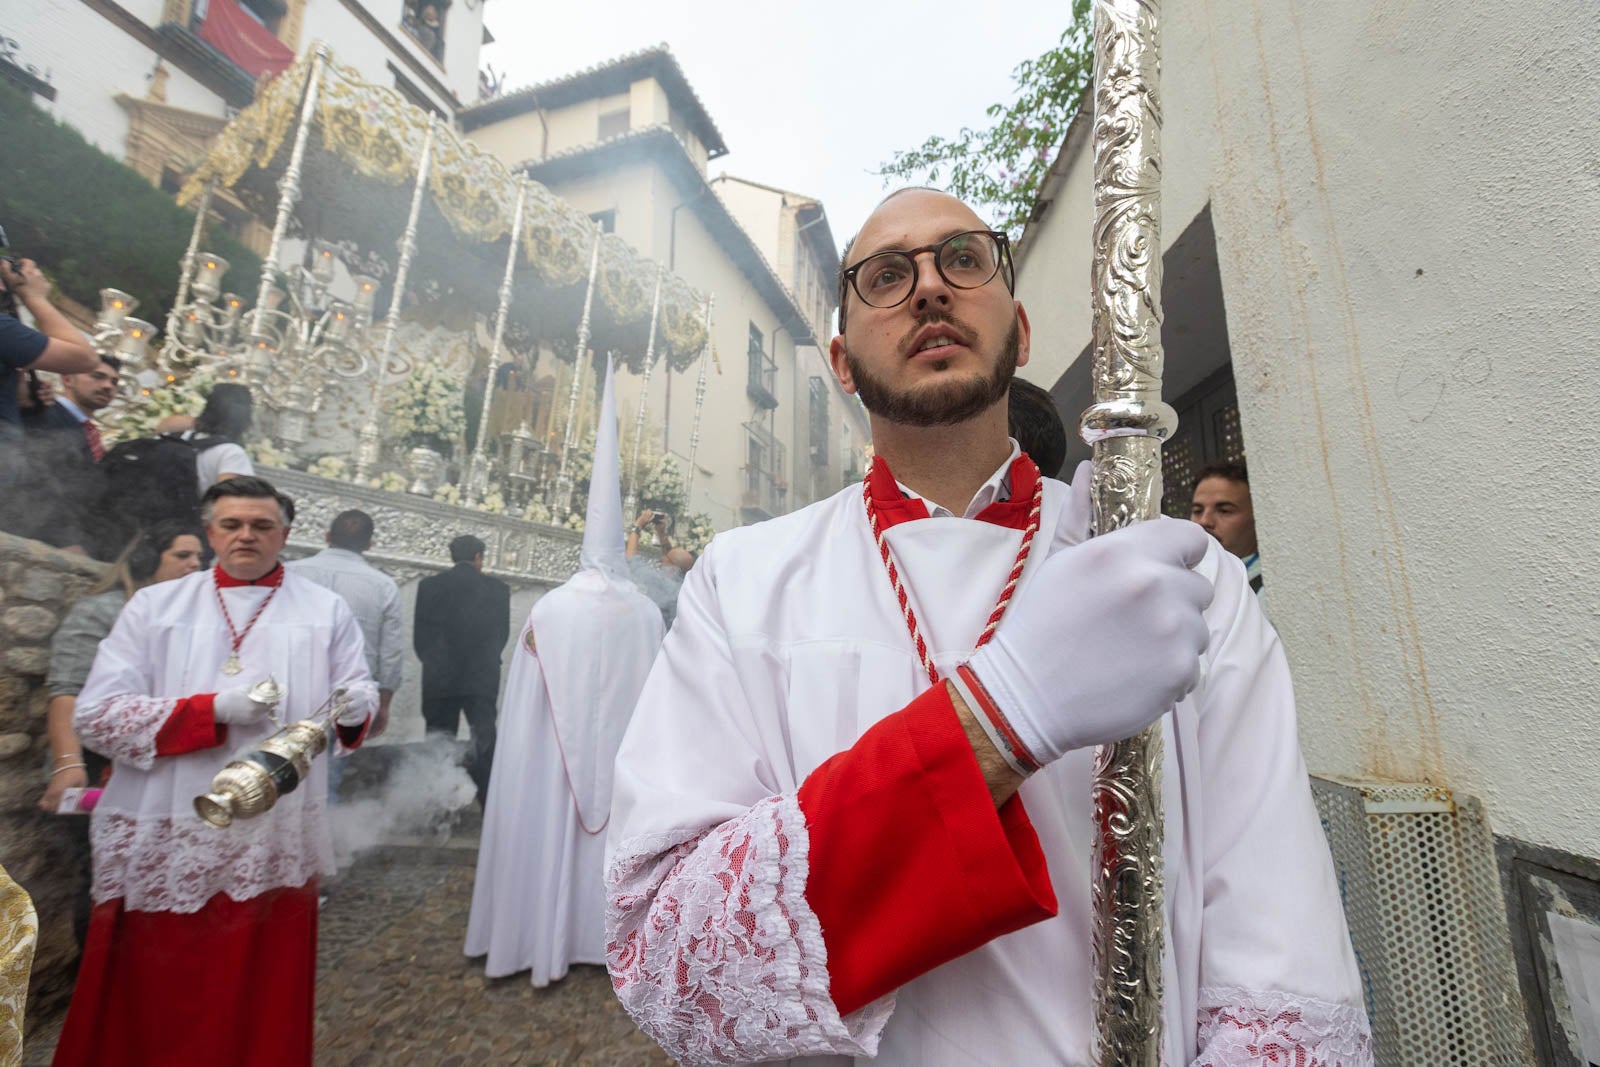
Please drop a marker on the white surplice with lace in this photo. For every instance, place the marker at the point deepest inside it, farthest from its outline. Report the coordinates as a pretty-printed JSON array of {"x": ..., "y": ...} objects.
[
  {"x": 788, "y": 646},
  {"x": 150, "y": 848}
]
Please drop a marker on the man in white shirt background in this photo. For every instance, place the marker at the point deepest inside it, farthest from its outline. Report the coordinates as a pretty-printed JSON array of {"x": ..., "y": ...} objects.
[{"x": 374, "y": 599}]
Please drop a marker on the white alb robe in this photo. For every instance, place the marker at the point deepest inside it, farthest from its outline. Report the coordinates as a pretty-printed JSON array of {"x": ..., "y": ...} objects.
[
  {"x": 169, "y": 643},
  {"x": 787, "y": 648}
]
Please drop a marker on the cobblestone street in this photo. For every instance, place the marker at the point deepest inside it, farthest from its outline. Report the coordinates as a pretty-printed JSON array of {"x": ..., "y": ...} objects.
[{"x": 394, "y": 988}]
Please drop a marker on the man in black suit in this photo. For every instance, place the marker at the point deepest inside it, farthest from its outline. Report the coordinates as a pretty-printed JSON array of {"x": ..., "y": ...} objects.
[
  {"x": 461, "y": 626},
  {"x": 63, "y": 446}
]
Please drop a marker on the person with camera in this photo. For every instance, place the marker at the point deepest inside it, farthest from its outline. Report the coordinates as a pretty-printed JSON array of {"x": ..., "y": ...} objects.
[{"x": 55, "y": 346}]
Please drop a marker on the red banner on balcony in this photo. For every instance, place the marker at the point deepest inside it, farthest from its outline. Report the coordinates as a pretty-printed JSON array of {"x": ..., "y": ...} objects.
[{"x": 242, "y": 39}]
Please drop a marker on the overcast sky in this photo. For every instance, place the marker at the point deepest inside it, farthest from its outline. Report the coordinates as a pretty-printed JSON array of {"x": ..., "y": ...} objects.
[{"x": 809, "y": 97}]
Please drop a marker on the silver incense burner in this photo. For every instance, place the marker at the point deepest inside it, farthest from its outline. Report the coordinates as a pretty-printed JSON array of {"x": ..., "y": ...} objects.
[{"x": 252, "y": 783}]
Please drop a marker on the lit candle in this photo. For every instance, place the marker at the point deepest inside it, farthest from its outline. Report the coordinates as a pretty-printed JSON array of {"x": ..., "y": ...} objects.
[
  {"x": 208, "y": 274},
  {"x": 232, "y": 305},
  {"x": 366, "y": 294},
  {"x": 192, "y": 331},
  {"x": 322, "y": 263},
  {"x": 115, "y": 305},
  {"x": 135, "y": 337},
  {"x": 336, "y": 323}
]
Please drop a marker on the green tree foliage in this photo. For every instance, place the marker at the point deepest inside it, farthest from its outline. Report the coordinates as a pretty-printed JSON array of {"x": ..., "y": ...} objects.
[
  {"x": 90, "y": 221},
  {"x": 1000, "y": 168}
]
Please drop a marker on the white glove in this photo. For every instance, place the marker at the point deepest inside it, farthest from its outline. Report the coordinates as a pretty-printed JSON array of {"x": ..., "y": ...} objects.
[
  {"x": 1106, "y": 640},
  {"x": 236, "y": 708},
  {"x": 360, "y": 701}
]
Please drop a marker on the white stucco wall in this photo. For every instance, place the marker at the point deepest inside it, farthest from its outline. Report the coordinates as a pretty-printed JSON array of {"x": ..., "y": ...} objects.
[
  {"x": 355, "y": 46},
  {"x": 1407, "y": 222},
  {"x": 91, "y": 61}
]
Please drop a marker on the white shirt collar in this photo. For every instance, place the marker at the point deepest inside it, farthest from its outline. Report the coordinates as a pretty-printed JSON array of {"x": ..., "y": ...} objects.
[
  {"x": 72, "y": 409},
  {"x": 997, "y": 488}
]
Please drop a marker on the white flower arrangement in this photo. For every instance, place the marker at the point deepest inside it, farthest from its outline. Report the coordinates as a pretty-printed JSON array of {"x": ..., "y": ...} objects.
[
  {"x": 138, "y": 417},
  {"x": 389, "y": 482},
  {"x": 537, "y": 512},
  {"x": 447, "y": 494},
  {"x": 330, "y": 466},
  {"x": 699, "y": 532},
  {"x": 424, "y": 409},
  {"x": 574, "y": 522},
  {"x": 268, "y": 455}
]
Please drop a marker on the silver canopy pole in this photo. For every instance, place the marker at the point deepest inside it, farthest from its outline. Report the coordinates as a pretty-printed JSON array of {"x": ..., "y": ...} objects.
[
  {"x": 561, "y": 500},
  {"x": 369, "y": 444},
  {"x": 478, "y": 478},
  {"x": 644, "y": 394},
  {"x": 699, "y": 402},
  {"x": 1126, "y": 425}
]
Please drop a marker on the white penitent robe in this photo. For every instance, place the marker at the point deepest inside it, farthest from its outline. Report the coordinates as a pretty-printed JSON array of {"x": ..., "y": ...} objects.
[
  {"x": 539, "y": 899},
  {"x": 799, "y": 820},
  {"x": 150, "y": 848}
]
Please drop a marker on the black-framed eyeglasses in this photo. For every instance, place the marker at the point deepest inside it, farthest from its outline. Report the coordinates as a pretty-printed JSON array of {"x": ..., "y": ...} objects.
[{"x": 967, "y": 260}]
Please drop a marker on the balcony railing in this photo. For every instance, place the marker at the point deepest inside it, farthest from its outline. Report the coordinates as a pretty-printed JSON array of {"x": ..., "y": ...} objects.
[
  {"x": 766, "y": 491},
  {"x": 763, "y": 383},
  {"x": 819, "y": 422}
]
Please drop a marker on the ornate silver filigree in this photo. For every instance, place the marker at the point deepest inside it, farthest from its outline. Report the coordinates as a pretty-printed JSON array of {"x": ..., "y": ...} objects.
[
  {"x": 413, "y": 534},
  {"x": 369, "y": 446},
  {"x": 1126, "y": 426}
]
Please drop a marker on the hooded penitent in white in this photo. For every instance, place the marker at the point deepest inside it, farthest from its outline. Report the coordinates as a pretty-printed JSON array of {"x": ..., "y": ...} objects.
[{"x": 539, "y": 899}]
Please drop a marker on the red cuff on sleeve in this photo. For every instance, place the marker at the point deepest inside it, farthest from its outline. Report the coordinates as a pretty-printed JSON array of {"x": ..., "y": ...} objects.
[
  {"x": 910, "y": 863},
  {"x": 350, "y": 737},
  {"x": 192, "y": 726}
]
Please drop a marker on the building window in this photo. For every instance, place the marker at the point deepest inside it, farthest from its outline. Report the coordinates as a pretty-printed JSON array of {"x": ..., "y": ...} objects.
[
  {"x": 424, "y": 20},
  {"x": 613, "y": 124},
  {"x": 819, "y": 421},
  {"x": 762, "y": 385},
  {"x": 765, "y": 490},
  {"x": 607, "y": 220}
]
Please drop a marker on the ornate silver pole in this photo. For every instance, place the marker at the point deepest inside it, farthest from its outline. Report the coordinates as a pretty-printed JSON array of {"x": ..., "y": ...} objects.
[
  {"x": 186, "y": 264},
  {"x": 699, "y": 402},
  {"x": 369, "y": 444},
  {"x": 478, "y": 476},
  {"x": 644, "y": 394},
  {"x": 561, "y": 502},
  {"x": 288, "y": 189},
  {"x": 1126, "y": 426}
]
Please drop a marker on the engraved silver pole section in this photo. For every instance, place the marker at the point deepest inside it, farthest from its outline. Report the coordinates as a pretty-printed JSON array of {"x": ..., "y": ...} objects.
[
  {"x": 562, "y": 502},
  {"x": 1126, "y": 425},
  {"x": 289, "y": 188},
  {"x": 478, "y": 479},
  {"x": 369, "y": 445},
  {"x": 186, "y": 264},
  {"x": 644, "y": 394},
  {"x": 699, "y": 402}
]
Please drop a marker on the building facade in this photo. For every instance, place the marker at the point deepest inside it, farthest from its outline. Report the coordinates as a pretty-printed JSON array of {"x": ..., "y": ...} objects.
[
  {"x": 151, "y": 82},
  {"x": 628, "y": 142}
]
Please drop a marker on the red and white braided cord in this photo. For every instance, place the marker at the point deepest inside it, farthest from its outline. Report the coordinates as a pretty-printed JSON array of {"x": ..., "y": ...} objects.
[{"x": 904, "y": 600}]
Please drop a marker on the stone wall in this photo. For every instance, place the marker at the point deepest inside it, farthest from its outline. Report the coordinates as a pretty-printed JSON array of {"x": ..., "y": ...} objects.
[{"x": 45, "y": 854}]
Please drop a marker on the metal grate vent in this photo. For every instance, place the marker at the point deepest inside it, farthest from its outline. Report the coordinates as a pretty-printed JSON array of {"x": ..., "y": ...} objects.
[{"x": 1417, "y": 873}]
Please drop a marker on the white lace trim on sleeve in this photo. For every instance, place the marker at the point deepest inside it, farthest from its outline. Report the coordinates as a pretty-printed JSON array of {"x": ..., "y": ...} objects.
[
  {"x": 125, "y": 727},
  {"x": 715, "y": 952},
  {"x": 1253, "y": 1028}
]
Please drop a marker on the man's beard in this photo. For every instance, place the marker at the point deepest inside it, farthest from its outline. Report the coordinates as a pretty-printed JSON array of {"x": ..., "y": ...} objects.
[{"x": 941, "y": 404}]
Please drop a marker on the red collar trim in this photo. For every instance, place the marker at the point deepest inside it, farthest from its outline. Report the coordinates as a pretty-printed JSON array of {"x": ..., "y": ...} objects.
[
  {"x": 274, "y": 577},
  {"x": 895, "y": 507}
]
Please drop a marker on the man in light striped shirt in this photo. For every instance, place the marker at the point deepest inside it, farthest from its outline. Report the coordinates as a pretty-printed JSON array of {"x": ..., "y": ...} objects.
[{"x": 374, "y": 599}]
